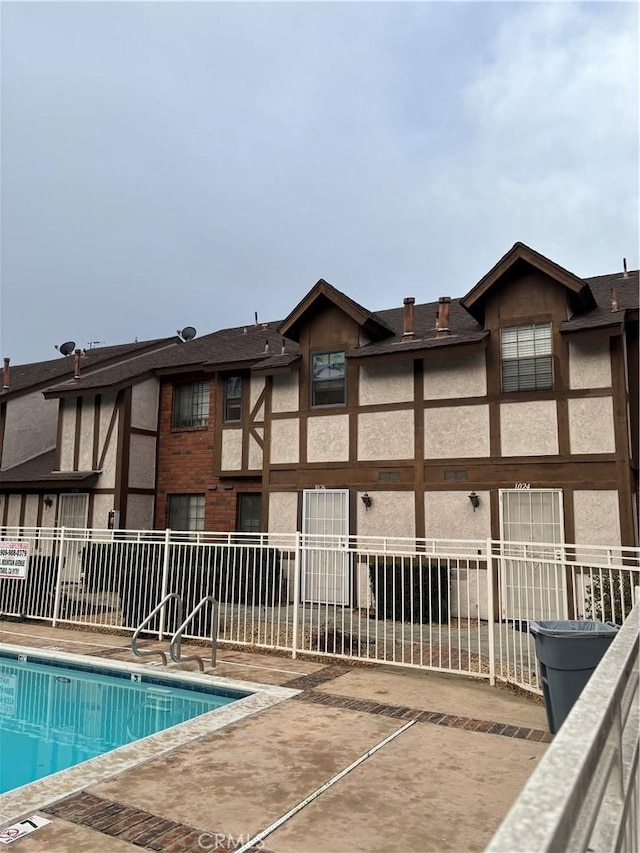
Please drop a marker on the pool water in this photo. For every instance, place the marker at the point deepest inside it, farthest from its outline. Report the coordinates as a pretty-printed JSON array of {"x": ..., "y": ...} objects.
[{"x": 53, "y": 717}]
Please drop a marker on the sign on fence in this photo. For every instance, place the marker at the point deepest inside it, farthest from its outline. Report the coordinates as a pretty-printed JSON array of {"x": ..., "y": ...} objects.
[{"x": 13, "y": 559}]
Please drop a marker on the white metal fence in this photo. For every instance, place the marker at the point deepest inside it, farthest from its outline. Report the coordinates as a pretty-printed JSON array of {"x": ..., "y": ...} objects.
[{"x": 455, "y": 606}]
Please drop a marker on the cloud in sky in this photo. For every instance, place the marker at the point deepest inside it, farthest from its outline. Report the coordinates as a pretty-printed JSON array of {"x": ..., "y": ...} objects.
[{"x": 165, "y": 164}]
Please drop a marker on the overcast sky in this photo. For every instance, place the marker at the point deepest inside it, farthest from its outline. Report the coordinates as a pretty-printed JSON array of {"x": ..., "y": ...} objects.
[{"x": 172, "y": 164}]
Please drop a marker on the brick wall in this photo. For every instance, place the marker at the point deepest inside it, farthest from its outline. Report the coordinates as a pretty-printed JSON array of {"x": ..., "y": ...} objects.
[{"x": 186, "y": 461}]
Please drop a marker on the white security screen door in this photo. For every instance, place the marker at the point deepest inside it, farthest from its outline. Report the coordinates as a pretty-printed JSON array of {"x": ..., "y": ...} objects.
[
  {"x": 325, "y": 524},
  {"x": 73, "y": 511},
  {"x": 533, "y": 582}
]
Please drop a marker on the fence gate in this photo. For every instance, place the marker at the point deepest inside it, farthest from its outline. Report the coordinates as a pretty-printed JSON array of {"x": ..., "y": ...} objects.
[
  {"x": 533, "y": 583},
  {"x": 325, "y": 570}
]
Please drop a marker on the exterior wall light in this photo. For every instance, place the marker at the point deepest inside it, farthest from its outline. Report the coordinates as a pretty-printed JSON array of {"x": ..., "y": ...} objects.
[
  {"x": 48, "y": 501},
  {"x": 366, "y": 500},
  {"x": 475, "y": 501}
]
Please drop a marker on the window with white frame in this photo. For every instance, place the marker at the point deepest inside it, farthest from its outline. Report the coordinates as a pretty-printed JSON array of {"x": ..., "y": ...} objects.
[
  {"x": 191, "y": 404},
  {"x": 328, "y": 379},
  {"x": 526, "y": 357},
  {"x": 185, "y": 512}
]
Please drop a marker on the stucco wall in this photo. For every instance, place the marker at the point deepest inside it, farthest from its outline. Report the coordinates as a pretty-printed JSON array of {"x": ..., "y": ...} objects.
[
  {"x": 101, "y": 506},
  {"x": 139, "y": 512},
  {"x": 142, "y": 462},
  {"x": 231, "y": 459},
  {"x": 13, "y": 517},
  {"x": 328, "y": 438},
  {"x": 450, "y": 515},
  {"x": 68, "y": 433},
  {"x": 255, "y": 451},
  {"x": 284, "y": 396},
  {"x": 390, "y": 514},
  {"x": 391, "y": 383},
  {"x": 590, "y": 365},
  {"x": 529, "y": 429},
  {"x": 447, "y": 377},
  {"x": 456, "y": 431},
  {"x": 256, "y": 387},
  {"x": 591, "y": 425},
  {"x": 85, "y": 458},
  {"x": 385, "y": 435},
  {"x": 31, "y": 511},
  {"x": 108, "y": 477},
  {"x": 283, "y": 512},
  {"x": 30, "y": 428},
  {"x": 596, "y": 517},
  {"x": 285, "y": 441},
  {"x": 144, "y": 404}
]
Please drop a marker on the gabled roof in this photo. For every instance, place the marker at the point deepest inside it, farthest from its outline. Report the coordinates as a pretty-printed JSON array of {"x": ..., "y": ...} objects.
[
  {"x": 519, "y": 254},
  {"x": 31, "y": 377},
  {"x": 323, "y": 294},
  {"x": 607, "y": 289}
]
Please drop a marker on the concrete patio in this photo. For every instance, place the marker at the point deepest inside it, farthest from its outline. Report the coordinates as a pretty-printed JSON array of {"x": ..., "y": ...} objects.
[{"x": 443, "y": 784}]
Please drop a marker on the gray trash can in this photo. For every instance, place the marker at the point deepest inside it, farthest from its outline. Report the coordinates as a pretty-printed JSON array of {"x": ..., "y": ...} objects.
[{"x": 568, "y": 651}]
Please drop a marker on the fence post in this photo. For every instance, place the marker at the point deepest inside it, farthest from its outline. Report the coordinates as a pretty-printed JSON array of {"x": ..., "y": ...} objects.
[
  {"x": 58, "y": 593},
  {"x": 165, "y": 581},
  {"x": 296, "y": 596},
  {"x": 491, "y": 615}
]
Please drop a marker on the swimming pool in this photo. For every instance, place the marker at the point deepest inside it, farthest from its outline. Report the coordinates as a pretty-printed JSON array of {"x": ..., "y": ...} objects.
[
  {"x": 53, "y": 716},
  {"x": 36, "y": 795}
]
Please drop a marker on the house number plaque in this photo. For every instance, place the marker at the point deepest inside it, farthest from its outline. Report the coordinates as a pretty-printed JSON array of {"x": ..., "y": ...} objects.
[{"x": 522, "y": 485}]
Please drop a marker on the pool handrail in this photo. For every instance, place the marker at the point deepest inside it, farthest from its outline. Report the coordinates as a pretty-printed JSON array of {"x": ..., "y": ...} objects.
[
  {"x": 134, "y": 648},
  {"x": 176, "y": 640}
]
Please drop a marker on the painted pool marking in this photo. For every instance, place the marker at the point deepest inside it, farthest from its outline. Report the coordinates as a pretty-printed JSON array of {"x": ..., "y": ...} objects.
[{"x": 22, "y": 828}]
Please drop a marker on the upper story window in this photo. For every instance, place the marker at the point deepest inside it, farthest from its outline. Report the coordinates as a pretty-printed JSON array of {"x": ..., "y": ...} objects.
[
  {"x": 185, "y": 512},
  {"x": 328, "y": 379},
  {"x": 526, "y": 357},
  {"x": 233, "y": 398},
  {"x": 191, "y": 404}
]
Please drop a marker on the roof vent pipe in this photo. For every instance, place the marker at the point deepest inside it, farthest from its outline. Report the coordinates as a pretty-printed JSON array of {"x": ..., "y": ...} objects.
[
  {"x": 614, "y": 299},
  {"x": 408, "y": 315},
  {"x": 442, "y": 325},
  {"x": 625, "y": 274},
  {"x": 77, "y": 355},
  {"x": 266, "y": 345},
  {"x": 5, "y": 374}
]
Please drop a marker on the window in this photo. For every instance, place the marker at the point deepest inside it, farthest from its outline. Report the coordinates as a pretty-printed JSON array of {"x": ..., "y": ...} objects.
[
  {"x": 191, "y": 404},
  {"x": 249, "y": 513},
  {"x": 328, "y": 386},
  {"x": 526, "y": 358},
  {"x": 233, "y": 398},
  {"x": 185, "y": 512}
]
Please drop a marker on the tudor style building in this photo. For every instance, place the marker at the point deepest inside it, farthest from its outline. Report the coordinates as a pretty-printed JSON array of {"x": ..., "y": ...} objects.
[{"x": 521, "y": 395}]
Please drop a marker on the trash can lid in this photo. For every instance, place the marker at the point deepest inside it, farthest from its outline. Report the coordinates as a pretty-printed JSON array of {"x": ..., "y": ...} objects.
[{"x": 573, "y": 628}]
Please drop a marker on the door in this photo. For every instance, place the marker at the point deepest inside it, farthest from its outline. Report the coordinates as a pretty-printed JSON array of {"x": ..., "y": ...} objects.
[
  {"x": 533, "y": 580},
  {"x": 325, "y": 521},
  {"x": 73, "y": 512}
]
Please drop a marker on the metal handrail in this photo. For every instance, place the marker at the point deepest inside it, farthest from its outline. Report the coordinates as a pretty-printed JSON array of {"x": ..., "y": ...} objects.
[
  {"x": 136, "y": 651},
  {"x": 176, "y": 641}
]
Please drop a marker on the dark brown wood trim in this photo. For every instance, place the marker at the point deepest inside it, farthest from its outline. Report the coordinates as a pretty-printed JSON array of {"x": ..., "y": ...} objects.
[
  {"x": 40, "y": 510},
  {"x": 562, "y": 420},
  {"x": 123, "y": 404},
  {"x": 622, "y": 439},
  {"x": 78, "y": 434},
  {"x": 256, "y": 406},
  {"x": 3, "y": 421},
  {"x": 59, "y": 434},
  {"x": 266, "y": 453},
  {"x": 418, "y": 435},
  {"x": 23, "y": 509},
  {"x": 96, "y": 431},
  {"x": 112, "y": 423},
  {"x": 143, "y": 431},
  {"x": 91, "y": 521},
  {"x": 495, "y": 436},
  {"x": 103, "y": 491},
  {"x": 141, "y": 491},
  {"x": 5, "y": 510},
  {"x": 303, "y": 438},
  {"x": 257, "y": 438}
]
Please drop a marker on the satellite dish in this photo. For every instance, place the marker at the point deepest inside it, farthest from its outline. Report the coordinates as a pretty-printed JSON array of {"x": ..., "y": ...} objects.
[
  {"x": 188, "y": 333},
  {"x": 66, "y": 348}
]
